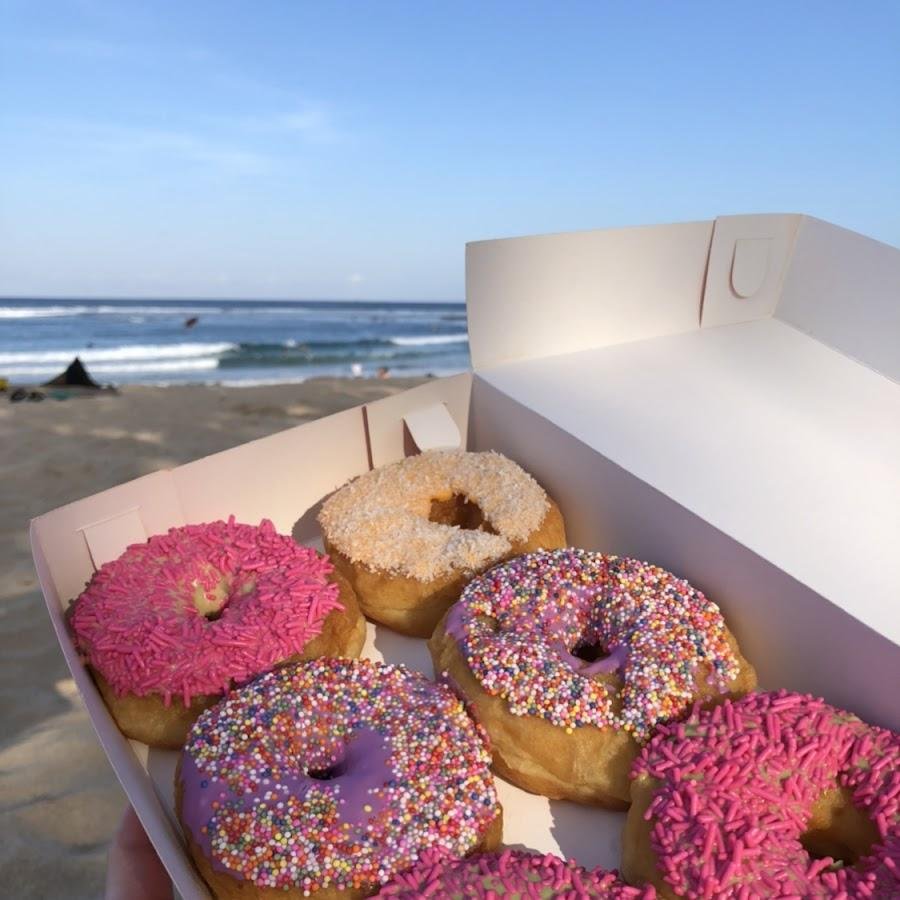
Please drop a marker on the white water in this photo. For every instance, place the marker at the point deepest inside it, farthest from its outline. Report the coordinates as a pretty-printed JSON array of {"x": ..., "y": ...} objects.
[
  {"x": 147, "y": 352},
  {"x": 180, "y": 365},
  {"x": 429, "y": 339}
]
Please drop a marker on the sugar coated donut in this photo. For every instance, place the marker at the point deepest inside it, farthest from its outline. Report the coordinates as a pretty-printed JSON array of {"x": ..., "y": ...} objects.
[
  {"x": 327, "y": 778},
  {"x": 510, "y": 873},
  {"x": 174, "y": 622},
  {"x": 408, "y": 536},
  {"x": 775, "y": 795},
  {"x": 571, "y": 658}
]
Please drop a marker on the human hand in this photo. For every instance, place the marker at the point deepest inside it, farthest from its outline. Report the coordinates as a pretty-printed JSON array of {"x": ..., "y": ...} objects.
[{"x": 134, "y": 871}]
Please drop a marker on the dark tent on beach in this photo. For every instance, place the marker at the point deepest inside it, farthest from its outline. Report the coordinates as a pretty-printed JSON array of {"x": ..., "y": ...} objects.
[{"x": 76, "y": 375}]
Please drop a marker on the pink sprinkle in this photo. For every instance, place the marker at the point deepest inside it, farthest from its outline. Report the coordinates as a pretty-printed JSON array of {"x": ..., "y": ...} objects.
[
  {"x": 752, "y": 793},
  {"x": 137, "y": 625}
]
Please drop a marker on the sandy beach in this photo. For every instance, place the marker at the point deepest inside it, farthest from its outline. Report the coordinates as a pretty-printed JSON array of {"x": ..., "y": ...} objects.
[{"x": 59, "y": 799}]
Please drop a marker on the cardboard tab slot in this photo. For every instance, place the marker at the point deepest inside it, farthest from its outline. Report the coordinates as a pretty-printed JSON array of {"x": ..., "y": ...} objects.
[
  {"x": 750, "y": 265},
  {"x": 434, "y": 414},
  {"x": 433, "y": 428},
  {"x": 748, "y": 258},
  {"x": 106, "y": 540}
]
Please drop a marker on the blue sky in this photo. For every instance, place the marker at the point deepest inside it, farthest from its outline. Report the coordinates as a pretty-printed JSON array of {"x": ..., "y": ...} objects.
[{"x": 331, "y": 150}]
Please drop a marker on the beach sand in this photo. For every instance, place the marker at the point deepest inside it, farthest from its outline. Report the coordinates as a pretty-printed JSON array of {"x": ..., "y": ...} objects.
[{"x": 59, "y": 800}]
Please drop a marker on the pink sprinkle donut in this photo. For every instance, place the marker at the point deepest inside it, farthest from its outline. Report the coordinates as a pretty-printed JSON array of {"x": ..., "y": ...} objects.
[
  {"x": 775, "y": 795},
  {"x": 512, "y": 873},
  {"x": 176, "y": 621},
  {"x": 327, "y": 778}
]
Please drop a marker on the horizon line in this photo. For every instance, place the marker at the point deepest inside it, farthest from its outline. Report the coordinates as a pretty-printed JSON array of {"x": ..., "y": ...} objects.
[{"x": 186, "y": 299}]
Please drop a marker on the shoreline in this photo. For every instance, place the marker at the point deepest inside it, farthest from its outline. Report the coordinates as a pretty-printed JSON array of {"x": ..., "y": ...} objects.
[
  {"x": 228, "y": 384},
  {"x": 59, "y": 799}
]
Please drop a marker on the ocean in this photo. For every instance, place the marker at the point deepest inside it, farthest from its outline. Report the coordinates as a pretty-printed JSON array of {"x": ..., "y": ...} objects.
[{"x": 232, "y": 342}]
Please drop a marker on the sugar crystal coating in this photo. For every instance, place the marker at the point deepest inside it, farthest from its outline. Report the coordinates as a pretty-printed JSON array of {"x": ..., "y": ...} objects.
[
  {"x": 518, "y": 624},
  {"x": 335, "y": 773},
  {"x": 738, "y": 784},
  {"x": 510, "y": 873},
  {"x": 263, "y": 598},
  {"x": 381, "y": 519}
]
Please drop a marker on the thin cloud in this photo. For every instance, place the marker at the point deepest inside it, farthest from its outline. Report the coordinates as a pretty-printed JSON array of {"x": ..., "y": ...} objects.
[
  {"x": 78, "y": 139},
  {"x": 311, "y": 123},
  {"x": 90, "y": 48},
  {"x": 188, "y": 147}
]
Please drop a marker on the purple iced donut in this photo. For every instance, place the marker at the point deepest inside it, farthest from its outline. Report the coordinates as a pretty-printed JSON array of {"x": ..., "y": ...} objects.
[
  {"x": 512, "y": 873},
  {"x": 774, "y": 795},
  {"x": 570, "y": 658},
  {"x": 332, "y": 775}
]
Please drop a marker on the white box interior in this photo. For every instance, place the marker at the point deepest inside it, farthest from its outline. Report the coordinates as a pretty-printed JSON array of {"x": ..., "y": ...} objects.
[{"x": 670, "y": 419}]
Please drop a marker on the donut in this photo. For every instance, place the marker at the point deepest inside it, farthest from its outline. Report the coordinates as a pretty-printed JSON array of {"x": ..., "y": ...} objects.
[
  {"x": 409, "y": 536},
  {"x": 327, "y": 778},
  {"x": 774, "y": 795},
  {"x": 570, "y": 659},
  {"x": 509, "y": 873},
  {"x": 176, "y": 621}
]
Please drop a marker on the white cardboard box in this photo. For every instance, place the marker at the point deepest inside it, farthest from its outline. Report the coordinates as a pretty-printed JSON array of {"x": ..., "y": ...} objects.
[{"x": 718, "y": 397}]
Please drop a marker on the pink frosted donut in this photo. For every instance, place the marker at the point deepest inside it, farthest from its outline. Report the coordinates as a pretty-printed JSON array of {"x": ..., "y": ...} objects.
[
  {"x": 327, "y": 778},
  {"x": 511, "y": 873},
  {"x": 176, "y": 621},
  {"x": 775, "y": 795}
]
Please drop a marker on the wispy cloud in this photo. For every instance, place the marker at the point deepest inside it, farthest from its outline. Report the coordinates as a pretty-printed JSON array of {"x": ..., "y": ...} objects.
[
  {"x": 136, "y": 144},
  {"x": 311, "y": 123},
  {"x": 185, "y": 146},
  {"x": 99, "y": 49}
]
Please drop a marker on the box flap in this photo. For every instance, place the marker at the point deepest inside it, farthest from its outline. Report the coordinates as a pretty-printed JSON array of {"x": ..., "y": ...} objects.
[
  {"x": 305, "y": 463},
  {"x": 784, "y": 444},
  {"x": 748, "y": 259},
  {"x": 438, "y": 411},
  {"x": 540, "y": 296},
  {"x": 844, "y": 290},
  {"x": 85, "y": 534},
  {"x": 532, "y": 297}
]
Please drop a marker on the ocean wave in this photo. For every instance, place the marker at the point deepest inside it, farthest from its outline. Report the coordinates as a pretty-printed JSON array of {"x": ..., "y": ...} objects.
[
  {"x": 40, "y": 312},
  {"x": 156, "y": 310},
  {"x": 428, "y": 339},
  {"x": 176, "y": 365},
  {"x": 263, "y": 382},
  {"x": 48, "y": 312},
  {"x": 149, "y": 353}
]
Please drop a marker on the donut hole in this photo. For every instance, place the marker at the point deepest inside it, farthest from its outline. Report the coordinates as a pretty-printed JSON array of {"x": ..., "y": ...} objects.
[
  {"x": 838, "y": 830},
  {"x": 590, "y": 651},
  {"x": 211, "y": 603},
  {"x": 459, "y": 511},
  {"x": 488, "y": 623},
  {"x": 327, "y": 774}
]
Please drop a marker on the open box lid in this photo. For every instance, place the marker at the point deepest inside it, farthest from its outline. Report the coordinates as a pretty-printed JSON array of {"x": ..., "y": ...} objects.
[{"x": 747, "y": 368}]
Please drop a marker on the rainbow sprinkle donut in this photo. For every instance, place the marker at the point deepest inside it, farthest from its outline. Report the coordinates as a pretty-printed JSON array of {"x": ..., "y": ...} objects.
[
  {"x": 571, "y": 658},
  {"x": 775, "y": 795},
  {"x": 511, "y": 873},
  {"x": 328, "y": 778},
  {"x": 174, "y": 622}
]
